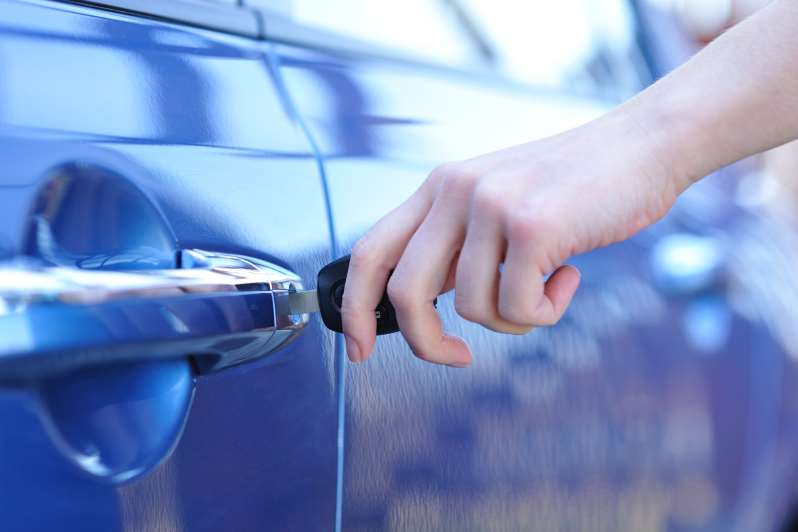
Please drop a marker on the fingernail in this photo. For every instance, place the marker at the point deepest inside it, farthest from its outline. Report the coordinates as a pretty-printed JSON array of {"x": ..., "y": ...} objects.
[
  {"x": 352, "y": 350},
  {"x": 459, "y": 352}
]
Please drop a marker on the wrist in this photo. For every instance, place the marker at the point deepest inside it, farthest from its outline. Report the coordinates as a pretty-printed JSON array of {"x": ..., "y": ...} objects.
[
  {"x": 645, "y": 140},
  {"x": 676, "y": 133},
  {"x": 663, "y": 136}
]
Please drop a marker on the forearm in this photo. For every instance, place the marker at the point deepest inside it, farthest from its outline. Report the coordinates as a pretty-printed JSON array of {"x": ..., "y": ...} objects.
[
  {"x": 501, "y": 226},
  {"x": 737, "y": 97}
]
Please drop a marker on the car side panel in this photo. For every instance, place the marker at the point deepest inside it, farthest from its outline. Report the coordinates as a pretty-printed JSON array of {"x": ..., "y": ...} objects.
[
  {"x": 621, "y": 417},
  {"x": 195, "y": 121}
]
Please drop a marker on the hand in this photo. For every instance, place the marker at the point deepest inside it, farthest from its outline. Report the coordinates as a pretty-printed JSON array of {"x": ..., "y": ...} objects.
[{"x": 495, "y": 226}]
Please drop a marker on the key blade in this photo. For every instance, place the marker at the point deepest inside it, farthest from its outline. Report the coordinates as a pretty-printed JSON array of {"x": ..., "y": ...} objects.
[{"x": 303, "y": 302}]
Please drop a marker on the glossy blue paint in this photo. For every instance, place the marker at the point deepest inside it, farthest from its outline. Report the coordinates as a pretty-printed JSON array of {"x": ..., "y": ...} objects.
[
  {"x": 117, "y": 422},
  {"x": 192, "y": 121},
  {"x": 62, "y": 228},
  {"x": 50, "y": 337},
  {"x": 614, "y": 415},
  {"x": 619, "y": 416}
]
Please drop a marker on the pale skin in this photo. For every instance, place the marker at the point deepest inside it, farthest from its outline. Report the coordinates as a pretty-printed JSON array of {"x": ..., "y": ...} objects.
[{"x": 531, "y": 207}]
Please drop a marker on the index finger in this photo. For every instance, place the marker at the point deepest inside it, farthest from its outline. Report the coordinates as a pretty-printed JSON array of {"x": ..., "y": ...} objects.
[
  {"x": 373, "y": 258},
  {"x": 421, "y": 275}
]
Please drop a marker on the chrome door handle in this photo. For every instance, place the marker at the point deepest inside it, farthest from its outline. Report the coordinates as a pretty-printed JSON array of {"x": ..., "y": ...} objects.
[{"x": 221, "y": 308}]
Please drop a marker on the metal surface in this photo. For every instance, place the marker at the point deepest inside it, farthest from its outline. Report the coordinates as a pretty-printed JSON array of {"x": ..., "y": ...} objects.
[
  {"x": 646, "y": 408},
  {"x": 303, "y": 302},
  {"x": 222, "y": 310},
  {"x": 129, "y": 423},
  {"x": 221, "y": 16},
  {"x": 136, "y": 137},
  {"x": 23, "y": 284}
]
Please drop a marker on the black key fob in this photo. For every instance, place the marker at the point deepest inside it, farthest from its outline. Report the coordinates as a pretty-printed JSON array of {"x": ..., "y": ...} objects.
[{"x": 330, "y": 287}]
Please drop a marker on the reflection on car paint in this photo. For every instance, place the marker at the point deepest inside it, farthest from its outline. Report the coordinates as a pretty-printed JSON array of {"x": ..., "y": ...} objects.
[
  {"x": 193, "y": 120},
  {"x": 617, "y": 418}
]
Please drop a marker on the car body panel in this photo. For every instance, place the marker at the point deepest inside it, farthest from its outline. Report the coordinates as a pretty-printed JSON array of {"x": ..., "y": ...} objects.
[
  {"x": 195, "y": 122},
  {"x": 630, "y": 414},
  {"x": 664, "y": 400}
]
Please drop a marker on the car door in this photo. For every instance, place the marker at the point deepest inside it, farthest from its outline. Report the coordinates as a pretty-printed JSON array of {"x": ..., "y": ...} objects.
[
  {"x": 651, "y": 406},
  {"x": 158, "y": 199}
]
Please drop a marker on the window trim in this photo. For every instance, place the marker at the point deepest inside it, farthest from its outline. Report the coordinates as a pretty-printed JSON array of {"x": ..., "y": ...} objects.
[
  {"x": 228, "y": 18},
  {"x": 270, "y": 25}
]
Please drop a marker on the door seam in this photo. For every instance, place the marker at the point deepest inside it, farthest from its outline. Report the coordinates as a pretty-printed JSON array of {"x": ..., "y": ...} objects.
[{"x": 340, "y": 365}]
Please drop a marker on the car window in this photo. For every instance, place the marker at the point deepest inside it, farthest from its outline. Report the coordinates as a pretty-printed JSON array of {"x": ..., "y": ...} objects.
[
  {"x": 583, "y": 44},
  {"x": 420, "y": 27},
  {"x": 587, "y": 45}
]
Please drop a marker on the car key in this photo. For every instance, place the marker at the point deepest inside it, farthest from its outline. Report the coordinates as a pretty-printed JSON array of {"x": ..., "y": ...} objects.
[{"x": 326, "y": 299}]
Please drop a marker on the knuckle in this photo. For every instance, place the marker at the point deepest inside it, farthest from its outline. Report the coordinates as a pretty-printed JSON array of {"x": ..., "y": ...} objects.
[
  {"x": 400, "y": 294},
  {"x": 515, "y": 313},
  {"x": 349, "y": 308},
  {"x": 457, "y": 181},
  {"x": 526, "y": 225},
  {"x": 353, "y": 312},
  {"x": 469, "y": 309},
  {"x": 364, "y": 253},
  {"x": 441, "y": 171},
  {"x": 529, "y": 317},
  {"x": 489, "y": 199},
  {"x": 448, "y": 170}
]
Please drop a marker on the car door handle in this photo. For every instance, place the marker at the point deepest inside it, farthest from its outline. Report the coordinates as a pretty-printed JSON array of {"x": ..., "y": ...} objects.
[{"x": 220, "y": 308}]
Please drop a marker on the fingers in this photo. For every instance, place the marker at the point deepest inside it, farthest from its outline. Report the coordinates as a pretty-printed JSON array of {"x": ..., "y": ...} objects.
[
  {"x": 421, "y": 275},
  {"x": 524, "y": 297},
  {"x": 425, "y": 242},
  {"x": 477, "y": 282},
  {"x": 450, "y": 279},
  {"x": 373, "y": 258}
]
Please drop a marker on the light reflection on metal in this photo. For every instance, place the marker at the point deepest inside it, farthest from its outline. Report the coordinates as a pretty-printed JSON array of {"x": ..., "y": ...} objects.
[{"x": 223, "y": 308}]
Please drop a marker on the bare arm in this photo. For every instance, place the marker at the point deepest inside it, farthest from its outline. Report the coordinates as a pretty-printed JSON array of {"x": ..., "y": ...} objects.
[
  {"x": 533, "y": 206},
  {"x": 737, "y": 97}
]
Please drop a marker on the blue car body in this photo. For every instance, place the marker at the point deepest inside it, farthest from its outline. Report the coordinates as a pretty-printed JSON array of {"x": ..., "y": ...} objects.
[{"x": 657, "y": 404}]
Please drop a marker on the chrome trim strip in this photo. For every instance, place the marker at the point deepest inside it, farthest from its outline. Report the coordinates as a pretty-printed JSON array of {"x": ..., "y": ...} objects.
[
  {"x": 228, "y": 18},
  {"x": 271, "y": 25},
  {"x": 23, "y": 283},
  {"x": 220, "y": 308}
]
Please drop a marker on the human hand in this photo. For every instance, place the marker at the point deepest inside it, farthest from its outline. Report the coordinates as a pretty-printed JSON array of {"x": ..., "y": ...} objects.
[{"x": 495, "y": 226}]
